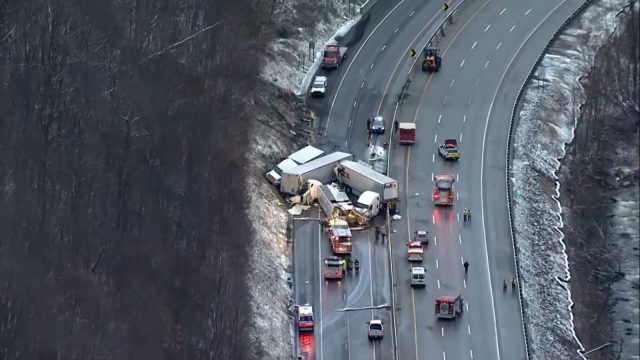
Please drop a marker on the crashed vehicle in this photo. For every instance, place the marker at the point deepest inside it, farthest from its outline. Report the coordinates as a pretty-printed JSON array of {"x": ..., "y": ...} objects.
[{"x": 443, "y": 190}]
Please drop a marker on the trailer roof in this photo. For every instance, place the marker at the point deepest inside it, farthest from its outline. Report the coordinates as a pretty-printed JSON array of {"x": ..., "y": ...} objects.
[
  {"x": 407, "y": 125},
  {"x": 305, "y": 154},
  {"x": 325, "y": 160},
  {"x": 367, "y": 171},
  {"x": 334, "y": 194}
]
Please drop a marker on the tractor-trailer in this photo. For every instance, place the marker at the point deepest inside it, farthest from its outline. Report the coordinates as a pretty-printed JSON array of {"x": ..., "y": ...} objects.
[
  {"x": 321, "y": 169},
  {"x": 333, "y": 201},
  {"x": 359, "y": 178}
]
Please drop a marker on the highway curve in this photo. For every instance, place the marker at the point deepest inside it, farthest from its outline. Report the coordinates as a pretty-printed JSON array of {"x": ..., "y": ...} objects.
[
  {"x": 374, "y": 59},
  {"x": 487, "y": 54},
  {"x": 486, "y": 58}
]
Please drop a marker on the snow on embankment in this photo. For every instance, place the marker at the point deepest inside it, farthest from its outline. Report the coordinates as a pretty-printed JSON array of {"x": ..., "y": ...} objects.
[
  {"x": 282, "y": 126},
  {"x": 550, "y": 108},
  {"x": 290, "y": 66}
]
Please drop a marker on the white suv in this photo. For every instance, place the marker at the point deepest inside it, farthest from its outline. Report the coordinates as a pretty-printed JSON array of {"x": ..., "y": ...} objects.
[{"x": 319, "y": 86}]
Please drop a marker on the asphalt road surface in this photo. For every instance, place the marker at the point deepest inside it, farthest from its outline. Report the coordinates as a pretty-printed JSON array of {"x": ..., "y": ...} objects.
[
  {"x": 342, "y": 308},
  {"x": 486, "y": 58},
  {"x": 487, "y": 54}
]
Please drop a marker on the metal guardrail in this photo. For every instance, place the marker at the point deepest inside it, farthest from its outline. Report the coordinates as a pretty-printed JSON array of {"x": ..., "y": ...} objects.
[
  {"x": 367, "y": 6},
  {"x": 513, "y": 123}
]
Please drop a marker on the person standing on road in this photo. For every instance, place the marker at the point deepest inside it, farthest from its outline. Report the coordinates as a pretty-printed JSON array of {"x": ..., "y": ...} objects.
[
  {"x": 377, "y": 233},
  {"x": 369, "y": 125},
  {"x": 395, "y": 125},
  {"x": 466, "y": 267},
  {"x": 383, "y": 232}
]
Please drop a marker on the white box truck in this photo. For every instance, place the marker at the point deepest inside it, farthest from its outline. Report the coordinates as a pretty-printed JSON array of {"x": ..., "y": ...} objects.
[
  {"x": 321, "y": 169},
  {"x": 359, "y": 179},
  {"x": 299, "y": 157}
]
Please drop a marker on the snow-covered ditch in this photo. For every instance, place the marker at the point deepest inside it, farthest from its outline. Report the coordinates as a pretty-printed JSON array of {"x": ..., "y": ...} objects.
[
  {"x": 282, "y": 127},
  {"x": 550, "y": 109}
]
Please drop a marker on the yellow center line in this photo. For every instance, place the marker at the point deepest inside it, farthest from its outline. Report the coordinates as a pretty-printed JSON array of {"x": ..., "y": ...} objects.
[{"x": 407, "y": 166}]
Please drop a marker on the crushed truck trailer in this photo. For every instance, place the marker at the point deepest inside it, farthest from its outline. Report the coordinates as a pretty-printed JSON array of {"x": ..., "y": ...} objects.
[{"x": 294, "y": 180}]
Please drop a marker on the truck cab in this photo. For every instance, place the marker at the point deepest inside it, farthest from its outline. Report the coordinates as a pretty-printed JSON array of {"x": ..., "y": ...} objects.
[
  {"x": 332, "y": 268},
  {"x": 340, "y": 236},
  {"x": 449, "y": 307},
  {"x": 443, "y": 190},
  {"x": 368, "y": 204},
  {"x": 332, "y": 56},
  {"x": 415, "y": 251},
  {"x": 304, "y": 318},
  {"x": 431, "y": 60}
]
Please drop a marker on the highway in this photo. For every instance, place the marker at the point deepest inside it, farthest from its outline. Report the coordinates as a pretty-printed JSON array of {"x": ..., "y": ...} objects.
[
  {"x": 341, "y": 334},
  {"x": 487, "y": 54}
]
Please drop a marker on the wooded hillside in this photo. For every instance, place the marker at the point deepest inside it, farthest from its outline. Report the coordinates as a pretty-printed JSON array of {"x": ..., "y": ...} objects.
[{"x": 123, "y": 131}]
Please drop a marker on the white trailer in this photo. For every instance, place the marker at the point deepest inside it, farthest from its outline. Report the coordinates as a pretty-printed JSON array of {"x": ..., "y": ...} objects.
[
  {"x": 333, "y": 201},
  {"x": 321, "y": 169},
  {"x": 299, "y": 157},
  {"x": 359, "y": 178}
]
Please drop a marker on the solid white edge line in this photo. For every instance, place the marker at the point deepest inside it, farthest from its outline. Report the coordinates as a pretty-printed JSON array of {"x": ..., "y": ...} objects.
[
  {"x": 335, "y": 96},
  {"x": 320, "y": 282},
  {"x": 484, "y": 140}
]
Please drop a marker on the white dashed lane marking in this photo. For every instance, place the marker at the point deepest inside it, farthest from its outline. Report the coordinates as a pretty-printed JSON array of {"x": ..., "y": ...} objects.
[
  {"x": 503, "y": 10},
  {"x": 512, "y": 28},
  {"x": 487, "y": 28},
  {"x": 527, "y": 13}
]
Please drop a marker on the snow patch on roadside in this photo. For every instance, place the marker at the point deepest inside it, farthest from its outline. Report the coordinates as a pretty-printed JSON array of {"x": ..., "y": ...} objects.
[
  {"x": 550, "y": 109},
  {"x": 291, "y": 67},
  {"x": 275, "y": 132}
]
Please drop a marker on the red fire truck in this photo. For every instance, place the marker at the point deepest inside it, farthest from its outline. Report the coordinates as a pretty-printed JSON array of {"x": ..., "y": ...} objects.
[{"x": 449, "y": 307}]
